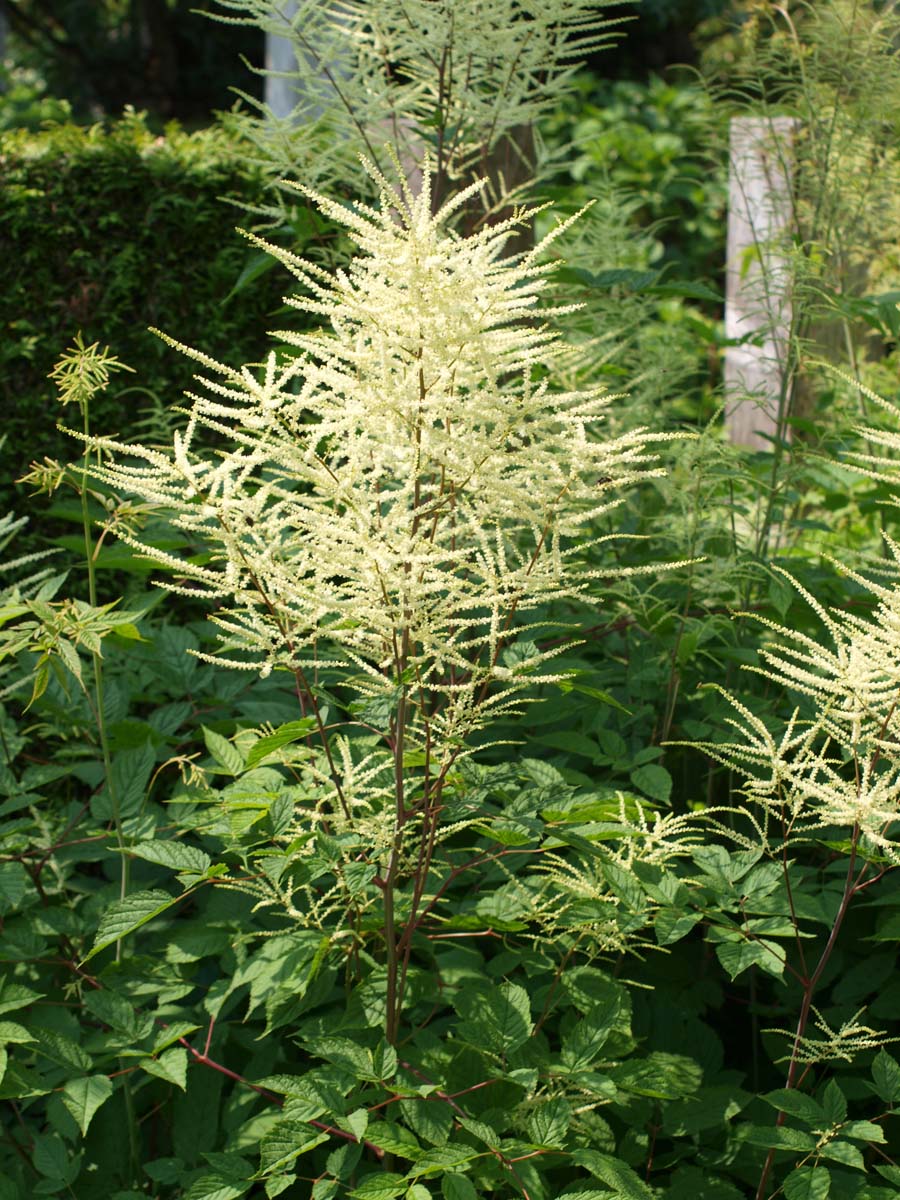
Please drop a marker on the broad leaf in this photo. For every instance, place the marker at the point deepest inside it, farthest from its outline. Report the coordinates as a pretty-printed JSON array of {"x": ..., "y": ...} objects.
[
  {"x": 807, "y": 1183},
  {"x": 82, "y": 1097},
  {"x": 496, "y": 1019},
  {"x": 125, "y": 916},
  {"x": 171, "y": 1066},
  {"x": 177, "y": 855},
  {"x": 293, "y": 731}
]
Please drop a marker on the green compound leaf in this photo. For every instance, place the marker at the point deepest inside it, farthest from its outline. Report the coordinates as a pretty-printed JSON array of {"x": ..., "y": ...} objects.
[
  {"x": 293, "y": 731},
  {"x": 799, "y": 1105},
  {"x": 384, "y": 1185},
  {"x": 227, "y": 757},
  {"x": 807, "y": 1183},
  {"x": 177, "y": 855},
  {"x": 394, "y": 1139},
  {"x": 549, "y": 1124},
  {"x": 780, "y": 1138},
  {"x": 494, "y": 1019},
  {"x": 654, "y": 781},
  {"x": 170, "y": 1066},
  {"x": 82, "y": 1097},
  {"x": 12, "y": 1031},
  {"x": 125, "y": 916},
  {"x": 276, "y": 1184},
  {"x": 737, "y": 957},
  {"x": 863, "y": 1131},
  {"x": 216, "y": 1187},
  {"x": 844, "y": 1153},
  {"x": 285, "y": 1143},
  {"x": 886, "y": 1075},
  {"x": 625, "y": 1182},
  {"x": 458, "y": 1187}
]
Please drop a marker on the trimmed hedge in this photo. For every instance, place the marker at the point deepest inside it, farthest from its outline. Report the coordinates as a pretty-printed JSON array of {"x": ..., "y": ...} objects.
[{"x": 109, "y": 231}]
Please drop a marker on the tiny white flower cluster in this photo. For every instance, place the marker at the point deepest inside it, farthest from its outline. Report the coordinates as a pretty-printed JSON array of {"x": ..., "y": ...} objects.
[
  {"x": 407, "y": 483},
  {"x": 838, "y": 765}
]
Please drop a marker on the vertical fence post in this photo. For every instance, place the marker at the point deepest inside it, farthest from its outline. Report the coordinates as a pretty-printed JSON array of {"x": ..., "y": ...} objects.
[
  {"x": 280, "y": 95},
  {"x": 757, "y": 281}
]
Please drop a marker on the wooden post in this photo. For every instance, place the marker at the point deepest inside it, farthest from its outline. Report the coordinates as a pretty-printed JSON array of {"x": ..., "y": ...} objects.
[
  {"x": 280, "y": 94},
  {"x": 757, "y": 286}
]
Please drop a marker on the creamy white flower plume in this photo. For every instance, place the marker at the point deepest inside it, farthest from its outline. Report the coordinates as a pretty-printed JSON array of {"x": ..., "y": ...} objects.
[{"x": 410, "y": 481}]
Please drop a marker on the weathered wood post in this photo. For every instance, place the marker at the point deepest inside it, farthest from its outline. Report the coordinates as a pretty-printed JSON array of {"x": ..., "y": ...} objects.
[{"x": 757, "y": 282}]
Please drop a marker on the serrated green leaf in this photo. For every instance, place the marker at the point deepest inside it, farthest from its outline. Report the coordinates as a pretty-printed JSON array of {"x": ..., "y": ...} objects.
[
  {"x": 12, "y": 1031},
  {"x": 863, "y": 1131},
  {"x": 276, "y": 1184},
  {"x": 799, "y": 1105},
  {"x": 885, "y": 1073},
  {"x": 654, "y": 781},
  {"x": 177, "y": 855},
  {"x": 479, "y": 1129},
  {"x": 129, "y": 777},
  {"x": 325, "y": 1189},
  {"x": 356, "y": 1122},
  {"x": 14, "y": 886},
  {"x": 660, "y": 1075},
  {"x": 383, "y": 1185},
  {"x": 170, "y": 1066},
  {"x": 737, "y": 957},
  {"x": 624, "y": 1181},
  {"x": 670, "y": 925},
  {"x": 428, "y": 1119},
  {"x": 62, "y": 1050},
  {"x": 844, "y": 1153},
  {"x": 779, "y": 1137},
  {"x": 50, "y": 1157},
  {"x": 14, "y": 995},
  {"x": 171, "y": 1033},
  {"x": 128, "y": 630},
  {"x": 548, "y": 1125},
  {"x": 834, "y": 1102},
  {"x": 82, "y": 1097},
  {"x": 496, "y": 1019},
  {"x": 284, "y": 735},
  {"x": 457, "y": 1187},
  {"x": 215, "y": 1187},
  {"x": 227, "y": 756},
  {"x": 447, "y": 1158},
  {"x": 807, "y": 1183},
  {"x": 116, "y": 1012},
  {"x": 285, "y": 1142},
  {"x": 393, "y": 1139},
  {"x": 125, "y": 916}
]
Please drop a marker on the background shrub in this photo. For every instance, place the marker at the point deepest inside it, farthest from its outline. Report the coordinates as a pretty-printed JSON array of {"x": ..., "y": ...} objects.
[{"x": 110, "y": 230}]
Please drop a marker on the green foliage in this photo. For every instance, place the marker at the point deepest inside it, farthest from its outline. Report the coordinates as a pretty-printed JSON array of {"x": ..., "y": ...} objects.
[
  {"x": 659, "y": 142},
  {"x": 291, "y": 931},
  {"x": 109, "y": 232},
  {"x": 94, "y": 57}
]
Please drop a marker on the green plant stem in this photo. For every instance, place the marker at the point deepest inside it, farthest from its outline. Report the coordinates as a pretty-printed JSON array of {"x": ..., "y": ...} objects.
[
  {"x": 392, "y": 1019},
  {"x": 98, "y": 675},
  {"x": 134, "y": 1155},
  {"x": 809, "y": 987}
]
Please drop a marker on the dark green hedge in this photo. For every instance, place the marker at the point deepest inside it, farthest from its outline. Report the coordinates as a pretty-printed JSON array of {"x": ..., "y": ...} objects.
[{"x": 110, "y": 231}]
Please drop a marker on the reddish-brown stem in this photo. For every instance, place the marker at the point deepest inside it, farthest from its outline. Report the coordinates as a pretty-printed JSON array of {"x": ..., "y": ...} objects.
[
  {"x": 204, "y": 1060},
  {"x": 809, "y": 987}
]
